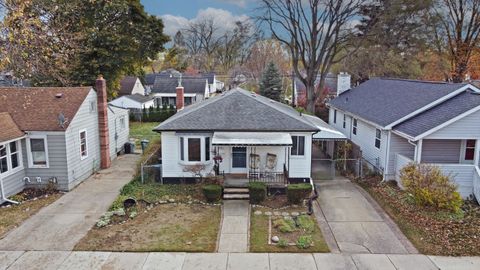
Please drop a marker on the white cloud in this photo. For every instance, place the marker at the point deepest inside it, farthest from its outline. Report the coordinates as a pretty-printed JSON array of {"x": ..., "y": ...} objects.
[
  {"x": 223, "y": 19},
  {"x": 240, "y": 3}
]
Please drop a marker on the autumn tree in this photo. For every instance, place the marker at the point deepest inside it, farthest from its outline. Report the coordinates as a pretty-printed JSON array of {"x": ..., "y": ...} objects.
[{"x": 315, "y": 31}]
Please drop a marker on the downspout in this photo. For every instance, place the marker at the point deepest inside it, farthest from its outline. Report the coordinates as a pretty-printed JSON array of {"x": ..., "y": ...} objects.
[
  {"x": 1, "y": 186},
  {"x": 387, "y": 158}
]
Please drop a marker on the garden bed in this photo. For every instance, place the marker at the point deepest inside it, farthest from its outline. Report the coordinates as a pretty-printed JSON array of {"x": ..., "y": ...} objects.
[
  {"x": 297, "y": 231},
  {"x": 31, "y": 201},
  {"x": 432, "y": 231}
]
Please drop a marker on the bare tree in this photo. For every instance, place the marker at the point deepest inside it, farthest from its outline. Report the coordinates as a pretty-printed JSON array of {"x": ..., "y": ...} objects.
[
  {"x": 315, "y": 31},
  {"x": 458, "y": 32}
]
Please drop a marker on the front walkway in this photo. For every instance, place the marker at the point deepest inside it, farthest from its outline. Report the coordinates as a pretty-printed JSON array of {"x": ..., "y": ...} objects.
[
  {"x": 235, "y": 226},
  {"x": 16, "y": 260},
  {"x": 62, "y": 224},
  {"x": 355, "y": 223}
]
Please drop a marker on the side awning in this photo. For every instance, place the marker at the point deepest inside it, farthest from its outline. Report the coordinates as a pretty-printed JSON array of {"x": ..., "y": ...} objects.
[
  {"x": 251, "y": 138},
  {"x": 327, "y": 132}
]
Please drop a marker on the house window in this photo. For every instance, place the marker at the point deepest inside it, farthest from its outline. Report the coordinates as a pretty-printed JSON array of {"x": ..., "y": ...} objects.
[
  {"x": 354, "y": 126},
  {"x": 83, "y": 145},
  {"x": 182, "y": 149},
  {"x": 169, "y": 101},
  {"x": 37, "y": 152},
  {"x": 3, "y": 159},
  {"x": 122, "y": 122},
  {"x": 378, "y": 138},
  {"x": 470, "y": 149},
  {"x": 188, "y": 101},
  {"x": 14, "y": 155},
  {"x": 207, "y": 148},
  {"x": 194, "y": 149},
  {"x": 344, "y": 121},
  {"x": 10, "y": 158},
  {"x": 334, "y": 116},
  {"x": 298, "y": 146}
]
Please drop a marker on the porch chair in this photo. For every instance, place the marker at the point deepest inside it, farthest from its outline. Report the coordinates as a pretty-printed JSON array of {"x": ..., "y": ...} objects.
[
  {"x": 270, "y": 166},
  {"x": 254, "y": 166}
]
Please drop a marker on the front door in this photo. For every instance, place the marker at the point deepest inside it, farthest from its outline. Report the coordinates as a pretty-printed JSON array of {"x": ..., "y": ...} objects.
[{"x": 239, "y": 159}]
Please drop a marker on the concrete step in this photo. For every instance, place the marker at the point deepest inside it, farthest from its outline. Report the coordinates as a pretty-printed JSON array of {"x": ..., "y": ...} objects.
[
  {"x": 235, "y": 190},
  {"x": 236, "y": 196}
]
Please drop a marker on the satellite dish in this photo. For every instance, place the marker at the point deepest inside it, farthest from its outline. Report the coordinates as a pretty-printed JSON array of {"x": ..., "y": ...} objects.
[{"x": 62, "y": 120}]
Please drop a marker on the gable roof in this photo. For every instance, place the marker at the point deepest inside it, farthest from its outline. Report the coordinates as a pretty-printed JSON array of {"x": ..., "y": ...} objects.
[
  {"x": 126, "y": 85},
  {"x": 139, "y": 98},
  {"x": 9, "y": 129},
  {"x": 437, "y": 115},
  {"x": 237, "y": 110},
  {"x": 169, "y": 85},
  {"x": 384, "y": 101},
  {"x": 38, "y": 108},
  {"x": 330, "y": 84}
]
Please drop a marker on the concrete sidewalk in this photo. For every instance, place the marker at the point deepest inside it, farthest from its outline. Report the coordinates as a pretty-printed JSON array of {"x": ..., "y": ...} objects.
[
  {"x": 235, "y": 226},
  {"x": 13, "y": 260},
  {"x": 62, "y": 224}
]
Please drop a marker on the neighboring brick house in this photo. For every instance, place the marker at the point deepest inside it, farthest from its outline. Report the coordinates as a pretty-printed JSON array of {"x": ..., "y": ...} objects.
[{"x": 59, "y": 134}]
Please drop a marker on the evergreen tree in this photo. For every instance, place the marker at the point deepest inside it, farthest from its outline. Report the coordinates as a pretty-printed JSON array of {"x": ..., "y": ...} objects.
[{"x": 271, "y": 83}]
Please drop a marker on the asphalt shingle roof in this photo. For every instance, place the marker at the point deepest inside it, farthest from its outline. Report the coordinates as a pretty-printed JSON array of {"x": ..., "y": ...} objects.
[
  {"x": 139, "y": 98},
  {"x": 237, "y": 110},
  {"x": 126, "y": 85},
  {"x": 384, "y": 101},
  {"x": 439, "y": 114},
  {"x": 9, "y": 129},
  {"x": 169, "y": 85}
]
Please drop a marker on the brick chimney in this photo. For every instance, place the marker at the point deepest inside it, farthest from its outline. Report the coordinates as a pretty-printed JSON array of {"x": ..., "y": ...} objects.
[
  {"x": 180, "y": 97},
  {"x": 101, "y": 87}
]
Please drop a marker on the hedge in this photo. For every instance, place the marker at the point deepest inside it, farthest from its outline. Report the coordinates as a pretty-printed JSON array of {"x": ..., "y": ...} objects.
[
  {"x": 213, "y": 193},
  {"x": 296, "y": 193},
  {"x": 258, "y": 192}
]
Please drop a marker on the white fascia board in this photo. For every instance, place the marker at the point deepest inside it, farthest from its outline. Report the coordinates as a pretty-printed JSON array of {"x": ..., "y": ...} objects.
[
  {"x": 359, "y": 118},
  {"x": 403, "y": 135},
  {"x": 430, "y": 105}
]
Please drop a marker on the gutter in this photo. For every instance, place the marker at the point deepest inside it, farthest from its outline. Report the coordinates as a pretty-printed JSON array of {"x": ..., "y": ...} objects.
[{"x": 2, "y": 188}]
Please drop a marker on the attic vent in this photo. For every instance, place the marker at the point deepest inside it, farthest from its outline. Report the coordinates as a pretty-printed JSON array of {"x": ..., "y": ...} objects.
[{"x": 59, "y": 95}]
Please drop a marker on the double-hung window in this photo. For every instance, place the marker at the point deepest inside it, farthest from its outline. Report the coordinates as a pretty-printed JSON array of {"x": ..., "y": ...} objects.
[
  {"x": 14, "y": 155},
  {"x": 10, "y": 158},
  {"x": 37, "y": 152},
  {"x": 298, "y": 146},
  {"x": 470, "y": 150},
  {"x": 378, "y": 138},
  {"x": 354, "y": 129},
  {"x": 83, "y": 145}
]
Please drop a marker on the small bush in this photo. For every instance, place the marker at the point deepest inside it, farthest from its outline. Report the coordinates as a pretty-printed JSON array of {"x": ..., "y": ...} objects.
[
  {"x": 429, "y": 187},
  {"x": 282, "y": 243},
  {"x": 306, "y": 223},
  {"x": 284, "y": 225},
  {"x": 296, "y": 193},
  {"x": 304, "y": 241},
  {"x": 213, "y": 193},
  {"x": 258, "y": 192}
]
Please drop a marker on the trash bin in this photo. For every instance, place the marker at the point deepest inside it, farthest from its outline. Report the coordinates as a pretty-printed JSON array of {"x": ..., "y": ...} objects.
[
  {"x": 144, "y": 144},
  {"x": 129, "y": 148}
]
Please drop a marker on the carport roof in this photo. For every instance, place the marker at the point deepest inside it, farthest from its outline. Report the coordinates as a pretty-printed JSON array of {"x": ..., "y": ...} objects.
[{"x": 327, "y": 132}]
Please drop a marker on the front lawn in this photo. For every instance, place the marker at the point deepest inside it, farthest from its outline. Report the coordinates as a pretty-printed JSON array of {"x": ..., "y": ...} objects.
[
  {"x": 432, "y": 232},
  {"x": 163, "y": 227},
  {"x": 302, "y": 235},
  {"x": 31, "y": 202},
  {"x": 143, "y": 130}
]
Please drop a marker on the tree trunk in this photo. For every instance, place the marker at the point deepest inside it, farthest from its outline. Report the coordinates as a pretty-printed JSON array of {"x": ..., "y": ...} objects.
[
  {"x": 310, "y": 92},
  {"x": 459, "y": 71}
]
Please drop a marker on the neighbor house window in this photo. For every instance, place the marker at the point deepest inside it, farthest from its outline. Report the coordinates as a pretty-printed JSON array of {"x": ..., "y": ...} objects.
[
  {"x": 9, "y": 157},
  {"x": 470, "y": 149},
  {"x": 37, "y": 151},
  {"x": 188, "y": 100},
  {"x": 83, "y": 144},
  {"x": 92, "y": 106},
  {"x": 122, "y": 122},
  {"x": 378, "y": 138},
  {"x": 207, "y": 148},
  {"x": 14, "y": 155},
  {"x": 344, "y": 121},
  {"x": 334, "y": 116},
  {"x": 298, "y": 146},
  {"x": 3, "y": 159},
  {"x": 194, "y": 149},
  {"x": 182, "y": 149},
  {"x": 354, "y": 126}
]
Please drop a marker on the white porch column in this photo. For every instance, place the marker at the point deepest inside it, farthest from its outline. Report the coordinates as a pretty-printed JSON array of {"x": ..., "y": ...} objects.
[
  {"x": 476, "y": 158},
  {"x": 418, "y": 151}
]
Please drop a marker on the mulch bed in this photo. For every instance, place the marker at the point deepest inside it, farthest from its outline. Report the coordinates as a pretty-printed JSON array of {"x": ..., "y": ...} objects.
[
  {"x": 432, "y": 231},
  {"x": 276, "y": 202}
]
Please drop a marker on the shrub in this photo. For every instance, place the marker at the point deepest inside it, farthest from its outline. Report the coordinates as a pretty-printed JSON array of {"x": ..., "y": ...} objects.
[
  {"x": 304, "y": 241},
  {"x": 258, "y": 192},
  {"x": 306, "y": 223},
  {"x": 213, "y": 193},
  {"x": 282, "y": 243},
  {"x": 284, "y": 225},
  {"x": 429, "y": 187},
  {"x": 297, "y": 192}
]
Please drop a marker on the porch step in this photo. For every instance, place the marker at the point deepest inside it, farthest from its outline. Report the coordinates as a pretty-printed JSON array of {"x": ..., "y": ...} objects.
[
  {"x": 236, "y": 196},
  {"x": 235, "y": 190}
]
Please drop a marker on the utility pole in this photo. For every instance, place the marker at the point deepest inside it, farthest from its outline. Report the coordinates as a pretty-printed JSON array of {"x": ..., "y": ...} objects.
[{"x": 293, "y": 90}]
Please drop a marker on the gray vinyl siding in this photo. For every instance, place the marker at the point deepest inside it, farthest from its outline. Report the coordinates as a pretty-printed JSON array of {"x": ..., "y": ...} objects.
[
  {"x": 462, "y": 175},
  {"x": 118, "y": 135},
  {"x": 441, "y": 151},
  {"x": 398, "y": 145},
  {"x": 13, "y": 183},
  {"x": 78, "y": 169},
  {"x": 56, "y": 159},
  {"x": 466, "y": 128}
]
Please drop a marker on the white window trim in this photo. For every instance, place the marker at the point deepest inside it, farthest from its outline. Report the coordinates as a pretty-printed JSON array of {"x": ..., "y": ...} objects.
[
  {"x": 20, "y": 167},
  {"x": 463, "y": 150},
  {"x": 202, "y": 150},
  {"x": 355, "y": 126},
  {"x": 380, "y": 139},
  {"x": 304, "y": 146},
  {"x": 82, "y": 157},
  {"x": 29, "y": 152}
]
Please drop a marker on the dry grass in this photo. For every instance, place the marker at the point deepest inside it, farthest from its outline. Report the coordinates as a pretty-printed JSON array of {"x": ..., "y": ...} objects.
[
  {"x": 191, "y": 228},
  {"x": 11, "y": 217}
]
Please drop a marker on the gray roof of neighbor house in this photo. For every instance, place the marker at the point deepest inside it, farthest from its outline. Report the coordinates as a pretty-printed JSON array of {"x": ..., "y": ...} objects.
[
  {"x": 169, "y": 85},
  {"x": 237, "y": 110},
  {"x": 126, "y": 85},
  {"x": 139, "y": 98},
  {"x": 439, "y": 114},
  {"x": 384, "y": 101}
]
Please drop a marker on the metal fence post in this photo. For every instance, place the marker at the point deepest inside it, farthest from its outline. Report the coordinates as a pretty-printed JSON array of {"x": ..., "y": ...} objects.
[{"x": 141, "y": 171}]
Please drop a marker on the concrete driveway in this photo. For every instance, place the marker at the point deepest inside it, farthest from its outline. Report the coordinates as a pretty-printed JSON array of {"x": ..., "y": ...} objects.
[
  {"x": 357, "y": 223},
  {"x": 59, "y": 226}
]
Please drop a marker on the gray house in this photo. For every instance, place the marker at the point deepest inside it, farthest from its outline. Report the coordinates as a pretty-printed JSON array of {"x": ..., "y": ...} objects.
[
  {"x": 57, "y": 134},
  {"x": 164, "y": 90},
  {"x": 396, "y": 122}
]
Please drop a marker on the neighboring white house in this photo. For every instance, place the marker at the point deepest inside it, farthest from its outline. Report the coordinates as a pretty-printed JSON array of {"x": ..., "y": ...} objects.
[
  {"x": 131, "y": 85},
  {"x": 256, "y": 138},
  {"x": 57, "y": 135},
  {"x": 164, "y": 90},
  {"x": 136, "y": 101},
  {"x": 396, "y": 122}
]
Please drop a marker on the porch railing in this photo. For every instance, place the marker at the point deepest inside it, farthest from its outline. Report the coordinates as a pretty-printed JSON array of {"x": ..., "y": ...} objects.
[{"x": 269, "y": 177}]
